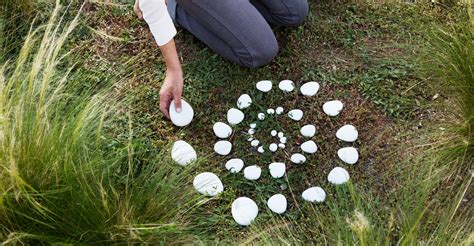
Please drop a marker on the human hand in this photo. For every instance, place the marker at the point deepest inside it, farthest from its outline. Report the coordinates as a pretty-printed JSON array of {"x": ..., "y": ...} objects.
[
  {"x": 172, "y": 89},
  {"x": 137, "y": 10}
]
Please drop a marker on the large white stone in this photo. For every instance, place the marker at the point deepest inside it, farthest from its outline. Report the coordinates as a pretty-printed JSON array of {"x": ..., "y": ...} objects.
[
  {"x": 349, "y": 155},
  {"x": 222, "y": 130},
  {"x": 338, "y": 176},
  {"x": 244, "y": 101},
  {"x": 277, "y": 203},
  {"x": 347, "y": 133},
  {"x": 264, "y": 85},
  {"x": 309, "y": 147},
  {"x": 314, "y": 194},
  {"x": 252, "y": 172},
  {"x": 308, "y": 131},
  {"x": 286, "y": 85},
  {"x": 333, "y": 108},
  {"x": 235, "y": 116},
  {"x": 223, "y": 147},
  {"x": 277, "y": 169},
  {"x": 310, "y": 88},
  {"x": 273, "y": 147},
  {"x": 208, "y": 184},
  {"x": 295, "y": 114},
  {"x": 184, "y": 117},
  {"x": 279, "y": 110},
  {"x": 255, "y": 143},
  {"x": 183, "y": 153},
  {"x": 244, "y": 211},
  {"x": 298, "y": 158},
  {"x": 234, "y": 165}
]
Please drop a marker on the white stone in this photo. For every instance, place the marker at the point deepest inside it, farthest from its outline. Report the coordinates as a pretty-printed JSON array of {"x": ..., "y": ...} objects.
[
  {"x": 253, "y": 125},
  {"x": 184, "y": 117},
  {"x": 338, "y": 176},
  {"x": 298, "y": 158},
  {"x": 255, "y": 143},
  {"x": 310, "y": 88},
  {"x": 270, "y": 111},
  {"x": 244, "y": 211},
  {"x": 261, "y": 116},
  {"x": 264, "y": 85},
  {"x": 286, "y": 85},
  {"x": 273, "y": 147},
  {"x": 235, "y": 116},
  {"x": 277, "y": 203},
  {"x": 295, "y": 114},
  {"x": 222, "y": 130},
  {"x": 283, "y": 140},
  {"x": 252, "y": 172},
  {"x": 244, "y": 101},
  {"x": 223, "y": 147},
  {"x": 281, "y": 146},
  {"x": 349, "y": 155},
  {"x": 347, "y": 133},
  {"x": 273, "y": 133},
  {"x": 308, "y": 131},
  {"x": 309, "y": 147},
  {"x": 277, "y": 169},
  {"x": 314, "y": 194},
  {"x": 183, "y": 153},
  {"x": 250, "y": 139},
  {"x": 234, "y": 165},
  {"x": 281, "y": 134},
  {"x": 261, "y": 150},
  {"x": 279, "y": 110},
  {"x": 333, "y": 108},
  {"x": 208, "y": 184},
  {"x": 251, "y": 131}
]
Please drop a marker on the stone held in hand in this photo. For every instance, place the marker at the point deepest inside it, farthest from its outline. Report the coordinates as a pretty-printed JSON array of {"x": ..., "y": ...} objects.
[
  {"x": 183, "y": 153},
  {"x": 298, "y": 158},
  {"x": 184, "y": 117},
  {"x": 277, "y": 169},
  {"x": 234, "y": 165},
  {"x": 208, "y": 184},
  {"x": 309, "y": 88},
  {"x": 295, "y": 114},
  {"x": 244, "y": 101},
  {"x": 308, "y": 131},
  {"x": 314, "y": 194},
  {"x": 264, "y": 85},
  {"x": 235, "y": 116},
  {"x": 277, "y": 203},
  {"x": 273, "y": 147},
  {"x": 349, "y": 155},
  {"x": 333, "y": 108},
  {"x": 244, "y": 211},
  {"x": 252, "y": 172},
  {"x": 223, "y": 147},
  {"x": 309, "y": 147},
  {"x": 222, "y": 130},
  {"x": 279, "y": 110},
  {"x": 347, "y": 133},
  {"x": 338, "y": 175},
  {"x": 286, "y": 85}
]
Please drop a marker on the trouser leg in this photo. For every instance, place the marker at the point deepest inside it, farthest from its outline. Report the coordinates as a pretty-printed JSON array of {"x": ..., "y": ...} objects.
[{"x": 282, "y": 12}]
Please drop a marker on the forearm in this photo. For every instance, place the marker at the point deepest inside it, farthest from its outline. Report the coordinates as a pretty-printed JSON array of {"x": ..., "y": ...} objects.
[{"x": 170, "y": 56}]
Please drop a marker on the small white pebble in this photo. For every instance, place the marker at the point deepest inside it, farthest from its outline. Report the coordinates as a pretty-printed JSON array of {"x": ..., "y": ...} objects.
[
  {"x": 253, "y": 125},
  {"x": 255, "y": 143},
  {"x": 281, "y": 146},
  {"x": 261, "y": 116},
  {"x": 273, "y": 133},
  {"x": 273, "y": 147},
  {"x": 251, "y": 131},
  {"x": 279, "y": 110},
  {"x": 270, "y": 111},
  {"x": 281, "y": 134},
  {"x": 260, "y": 149},
  {"x": 283, "y": 140},
  {"x": 250, "y": 139}
]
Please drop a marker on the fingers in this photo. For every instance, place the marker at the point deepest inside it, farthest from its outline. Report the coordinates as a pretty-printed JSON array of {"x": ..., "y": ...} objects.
[
  {"x": 165, "y": 101},
  {"x": 177, "y": 101}
]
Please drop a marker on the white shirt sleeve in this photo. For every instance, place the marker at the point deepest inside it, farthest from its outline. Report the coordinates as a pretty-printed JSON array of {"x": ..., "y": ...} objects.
[{"x": 158, "y": 19}]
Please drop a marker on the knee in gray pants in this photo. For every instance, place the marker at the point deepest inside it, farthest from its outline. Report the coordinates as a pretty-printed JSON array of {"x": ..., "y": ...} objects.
[
  {"x": 295, "y": 15},
  {"x": 261, "y": 53}
]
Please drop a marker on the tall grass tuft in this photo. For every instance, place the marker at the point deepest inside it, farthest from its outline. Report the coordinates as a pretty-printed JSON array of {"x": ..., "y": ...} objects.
[{"x": 61, "y": 179}]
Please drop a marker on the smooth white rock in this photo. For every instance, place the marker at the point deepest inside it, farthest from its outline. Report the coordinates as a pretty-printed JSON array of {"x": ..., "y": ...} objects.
[
  {"x": 264, "y": 85},
  {"x": 314, "y": 194},
  {"x": 261, "y": 116},
  {"x": 235, "y": 116},
  {"x": 244, "y": 211},
  {"x": 308, "y": 131},
  {"x": 253, "y": 125},
  {"x": 244, "y": 101},
  {"x": 222, "y": 130},
  {"x": 277, "y": 203},
  {"x": 270, "y": 111},
  {"x": 283, "y": 140},
  {"x": 250, "y": 139},
  {"x": 208, "y": 184},
  {"x": 286, "y": 85},
  {"x": 279, "y": 110},
  {"x": 234, "y": 165},
  {"x": 223, "y": 147},
  {"x": 273, "y": 147},
  {"x": 251, "y": 131},
  {"x": 309, "y": 147},
  {"x": 310, "y": 88},
  {"x": 277, "y": 169},
  {"x": 281, "y": 145},
  {"x": 183, "y": 153},
  {"x": 298, "y": 158},
  {"x": 349, "y": 155},
  {"x": 184, "y": 117},
  {"x": 255, "y": 143},
  {"x": 273, "y": 133},
  {"x": 347, "y": 133},
  {"x": 281, "y": 134},
  {"x": 252, "y": 172},
  {"x": 295, "y": 114},
  {"x": 261, "y": 150},
  {"x": 338, "y": 175},
  {"x": 332, "y": 108}
]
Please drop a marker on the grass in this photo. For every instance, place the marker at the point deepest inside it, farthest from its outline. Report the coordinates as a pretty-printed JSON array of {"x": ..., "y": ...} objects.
[{"x": 96, "y": 144}]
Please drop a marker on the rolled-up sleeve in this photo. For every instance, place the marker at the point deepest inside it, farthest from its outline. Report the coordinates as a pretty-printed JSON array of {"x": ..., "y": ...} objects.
[{"x": 158, "y": 19}]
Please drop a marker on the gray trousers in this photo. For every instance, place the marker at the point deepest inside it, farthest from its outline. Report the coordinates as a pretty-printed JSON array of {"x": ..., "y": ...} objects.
[{"x": 239, "y": 30}]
